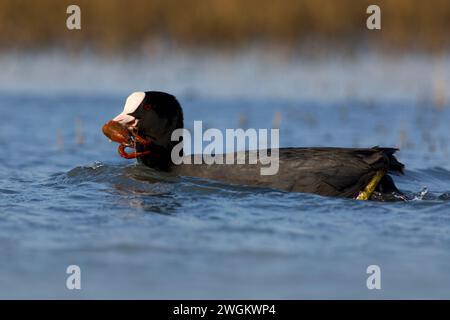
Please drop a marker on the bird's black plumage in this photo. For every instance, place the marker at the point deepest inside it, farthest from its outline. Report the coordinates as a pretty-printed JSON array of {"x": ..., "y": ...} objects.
[{"x": 342, "y": 172}]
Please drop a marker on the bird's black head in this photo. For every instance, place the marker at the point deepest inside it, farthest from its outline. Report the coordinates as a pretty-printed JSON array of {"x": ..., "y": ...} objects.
[{"x": 154, "y": 114}]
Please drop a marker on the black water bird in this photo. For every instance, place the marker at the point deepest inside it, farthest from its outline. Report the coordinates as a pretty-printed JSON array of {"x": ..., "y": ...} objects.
[{"x": 359, "y": 173}]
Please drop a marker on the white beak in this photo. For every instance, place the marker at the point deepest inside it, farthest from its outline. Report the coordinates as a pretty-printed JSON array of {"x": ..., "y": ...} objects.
[
  {"x": 131, "y": 104},
  {"x": 126, "y": 119}
]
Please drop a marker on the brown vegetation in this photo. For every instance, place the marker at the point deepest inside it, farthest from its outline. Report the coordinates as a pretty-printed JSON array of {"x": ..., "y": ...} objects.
[{"x": 120, "y": 24}]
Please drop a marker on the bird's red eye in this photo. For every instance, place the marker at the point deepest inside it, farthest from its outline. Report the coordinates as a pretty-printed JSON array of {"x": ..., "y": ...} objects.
[{"x": 147, "y": 106}]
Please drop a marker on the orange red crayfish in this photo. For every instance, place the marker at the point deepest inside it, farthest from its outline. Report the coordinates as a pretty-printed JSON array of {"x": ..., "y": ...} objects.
[{"x": 126, "y": 138}]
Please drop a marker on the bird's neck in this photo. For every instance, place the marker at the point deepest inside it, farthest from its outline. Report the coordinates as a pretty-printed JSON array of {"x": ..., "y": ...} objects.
[{"x": 159, "y": 157}]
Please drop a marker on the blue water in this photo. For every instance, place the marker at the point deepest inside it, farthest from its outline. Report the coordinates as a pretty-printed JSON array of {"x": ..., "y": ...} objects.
[{"x": 66, "y": 197}]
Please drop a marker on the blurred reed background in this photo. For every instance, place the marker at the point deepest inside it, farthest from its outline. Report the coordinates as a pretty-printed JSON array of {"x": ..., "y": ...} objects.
[{"x": 120, "y": 25}]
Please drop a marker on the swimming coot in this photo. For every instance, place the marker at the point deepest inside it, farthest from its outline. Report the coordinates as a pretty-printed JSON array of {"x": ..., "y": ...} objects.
[{"x": 360, "y": 173}]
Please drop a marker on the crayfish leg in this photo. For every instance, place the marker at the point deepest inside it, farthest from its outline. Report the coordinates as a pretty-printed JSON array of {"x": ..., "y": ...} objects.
[{"x": 132, "y": 155}]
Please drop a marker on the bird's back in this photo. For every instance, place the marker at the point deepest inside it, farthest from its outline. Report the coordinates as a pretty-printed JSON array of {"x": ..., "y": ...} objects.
[{"x": 325, "y": 171}]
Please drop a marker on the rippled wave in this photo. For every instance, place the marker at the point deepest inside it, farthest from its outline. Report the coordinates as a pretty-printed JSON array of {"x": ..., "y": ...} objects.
[{"x": 137, "y": 232}]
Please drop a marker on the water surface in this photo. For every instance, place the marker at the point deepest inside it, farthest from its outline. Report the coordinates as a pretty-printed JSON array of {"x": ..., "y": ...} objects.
[{"x": 66, "y": 197}]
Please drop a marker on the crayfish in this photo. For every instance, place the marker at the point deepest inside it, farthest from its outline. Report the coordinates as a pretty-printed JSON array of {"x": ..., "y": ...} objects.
[{"x": 127, "y": 138}]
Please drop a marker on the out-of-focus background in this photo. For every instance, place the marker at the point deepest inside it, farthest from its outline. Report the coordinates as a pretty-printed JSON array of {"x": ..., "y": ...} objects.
[
  {"x": 286, "y": 48},
  {"x": 223, "y": 24},
  {"x": 309, "y": 67}
]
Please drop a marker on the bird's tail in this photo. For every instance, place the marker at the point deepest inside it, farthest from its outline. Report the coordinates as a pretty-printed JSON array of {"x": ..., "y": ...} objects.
[{"x": 395, "y": 166}]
